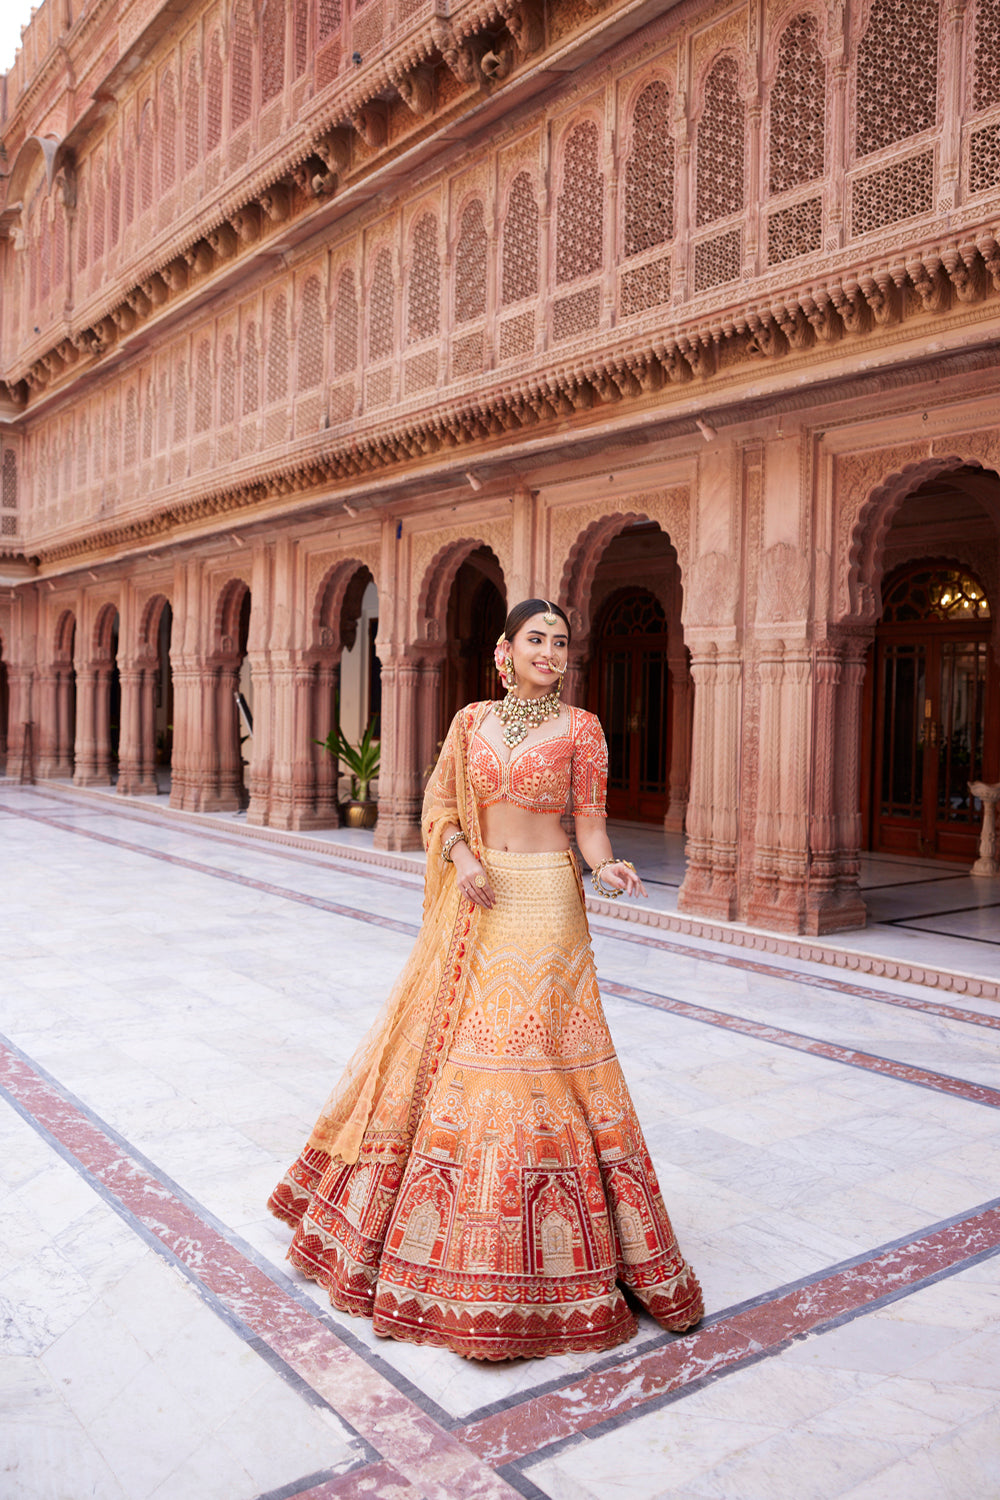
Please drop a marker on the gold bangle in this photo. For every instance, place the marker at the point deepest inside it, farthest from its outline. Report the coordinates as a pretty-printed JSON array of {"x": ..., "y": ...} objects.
[
  {"x": 449, "y": 844},
  {"x": 609, "y": 892}
]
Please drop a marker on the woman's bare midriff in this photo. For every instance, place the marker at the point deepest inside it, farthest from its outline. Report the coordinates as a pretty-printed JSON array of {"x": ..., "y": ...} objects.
[{"x": 506, "y": 826}]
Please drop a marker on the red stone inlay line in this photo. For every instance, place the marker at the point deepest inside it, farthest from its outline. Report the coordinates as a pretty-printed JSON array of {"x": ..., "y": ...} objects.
[
  {"x": 624, "y": 934},
  {"x": 766, "y": 1328},
  {"x": 413, "y": 1444},
  {"x": 886, "y": 1067}
]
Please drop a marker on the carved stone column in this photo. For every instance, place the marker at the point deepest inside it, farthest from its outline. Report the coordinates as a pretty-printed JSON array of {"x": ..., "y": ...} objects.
[
  {"x": 148, "y": 784},
  {"x": 85, "y": 771},
  {"x": 764, "y": 893},
  {"x": 843, "y": 908},
  {"x": 429, "y": 714},
  {"x": 263, "y": 752},
  {"x": 130, "y": 738},
  {"x": 697, "y": 884},
  {"x": 324, "y": 688},
  {"x": 187, "y": 718},
  {"x": 398, "y": 826},
  {"x": 725, "y": 820},
  {"x": 682, "y": 706},
  {"x": 229, "y": 793},
  {"x": 46, "y": 723}
]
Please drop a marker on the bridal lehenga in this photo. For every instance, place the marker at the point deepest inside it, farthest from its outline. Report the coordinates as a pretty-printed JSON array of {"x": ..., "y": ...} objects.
[{"x": 478, "y": 1179}]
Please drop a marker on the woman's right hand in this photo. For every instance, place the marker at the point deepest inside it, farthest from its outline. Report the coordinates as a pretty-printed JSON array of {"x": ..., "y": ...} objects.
[{"x": 473, "y": 880}]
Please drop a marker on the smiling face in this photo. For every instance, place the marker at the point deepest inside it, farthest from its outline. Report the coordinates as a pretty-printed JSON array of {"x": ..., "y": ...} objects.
[{"x": 540, "y": 653}]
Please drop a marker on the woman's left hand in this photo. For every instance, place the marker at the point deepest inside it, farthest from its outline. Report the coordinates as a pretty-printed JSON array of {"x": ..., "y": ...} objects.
[{"x": 622, "y": 877}]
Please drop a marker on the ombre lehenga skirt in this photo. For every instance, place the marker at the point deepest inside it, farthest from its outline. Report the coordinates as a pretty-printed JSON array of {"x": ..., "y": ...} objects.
[{"x": 508, "y": 1222}]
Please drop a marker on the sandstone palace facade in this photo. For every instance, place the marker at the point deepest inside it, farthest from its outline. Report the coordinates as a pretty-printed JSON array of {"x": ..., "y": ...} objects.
[{"x": 329, "y": 326}]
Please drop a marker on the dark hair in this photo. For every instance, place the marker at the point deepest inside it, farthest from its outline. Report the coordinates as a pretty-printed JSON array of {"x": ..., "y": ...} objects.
[{"x": 523, "y": 612}]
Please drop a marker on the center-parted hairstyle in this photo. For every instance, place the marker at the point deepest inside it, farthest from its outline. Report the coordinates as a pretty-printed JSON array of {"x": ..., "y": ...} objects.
[{"x": 523, "y": 612}]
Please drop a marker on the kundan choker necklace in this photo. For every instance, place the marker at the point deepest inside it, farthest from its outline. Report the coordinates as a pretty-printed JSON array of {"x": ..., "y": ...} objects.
[{"x": 521, "y": 714}]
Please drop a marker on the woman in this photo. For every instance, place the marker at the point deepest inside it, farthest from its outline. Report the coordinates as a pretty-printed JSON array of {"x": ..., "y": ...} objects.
[{"x": 478, "y": 1179}]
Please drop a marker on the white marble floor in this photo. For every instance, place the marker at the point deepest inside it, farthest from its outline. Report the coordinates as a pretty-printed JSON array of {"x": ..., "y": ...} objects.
[{"x": 174, "y": 1006}]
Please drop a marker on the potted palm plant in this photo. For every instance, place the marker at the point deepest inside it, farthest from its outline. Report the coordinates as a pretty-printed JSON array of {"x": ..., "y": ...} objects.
[{"x": 362, "y": 761}]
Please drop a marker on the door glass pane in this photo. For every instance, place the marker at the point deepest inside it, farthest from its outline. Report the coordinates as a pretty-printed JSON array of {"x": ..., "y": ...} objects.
[
  {"x": 653, "y": 720},
  {"x": 903, "y": 688},
  {"x": 617, "y": 699},
  {"x": 960, "y": 747}
]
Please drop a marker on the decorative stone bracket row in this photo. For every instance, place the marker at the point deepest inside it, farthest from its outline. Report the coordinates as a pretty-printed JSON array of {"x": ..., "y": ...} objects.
[{"x": 844, "y": 307}]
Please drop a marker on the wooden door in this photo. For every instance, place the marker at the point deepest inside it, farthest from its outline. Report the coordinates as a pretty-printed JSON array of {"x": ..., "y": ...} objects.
[{"x": 632, "y": 700}]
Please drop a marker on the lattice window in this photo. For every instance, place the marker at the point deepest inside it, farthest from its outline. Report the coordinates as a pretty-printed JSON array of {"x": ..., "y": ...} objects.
[
  {"x": 470, "y": 265},
  {"x": 311, "y": 336},
  {"x": 424, "y": 306},
  {"x": 794, "y": 231},
  {"x": 180, "y": 402},
  {"x": 577, "y": 313},
  {"x": 301, "y": 58},
  {"x": 241, "y": 67},
  {"x": 162, "y": 410},
  {"x": 943, "y": 594},
  {"x": 147, "y": 425},
  {"x": 250, "y": 370},
  {"x": 345, "y": 325},
  {"x": 168, "y": 134},
  {"x": 647, "y": 286},
  {"x": 82, "y": 448},
  {"x": 467, "y": 355},
  {"x": 203, "y": 387},
  {"x": 146, "y": 159},
  {"x": 329, "y": 18},
  {"x": 580, "y": 209},
  {"x": 720, "y": 145},
  {"x": 44, "y": 257},
  {"x": 227, "y": 382},
  {"x": 897, "y": 73},
  {"x": 798, "y": 108},
  {"x": 272, "y": 49},
  {"x": 984, "y": 159},
  {"x": 130, "y": 436},
  {"x": 900, "y": 191},
  {"x": 8, "y": 482},
  {"x": 213, "y": 95},
  {"x": 381, "y": 309},
  {"x": 277, "y": 351},
  {"x": 67, "y": 466},
  {"x": 649, "y": 173},
  {"x": 520, "y": 242},
  {"x": 116, "y": 202},
  {"x": 130, "y": 185},
  {"x": 192, "y": 117},
  {"x": 114, "y": 437},
  {"x": 718, "y": 260},
  {"x": 97, "y": 467},
  {"x": 986, "y": 68},
  {"x": 82, "y": 240},
  {"x": 99, "y": 214},
  {"x": 59, "y": 246}
]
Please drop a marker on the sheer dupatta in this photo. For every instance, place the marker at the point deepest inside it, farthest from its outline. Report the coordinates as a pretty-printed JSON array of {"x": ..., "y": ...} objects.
[{"x": 387, "y": 1079}]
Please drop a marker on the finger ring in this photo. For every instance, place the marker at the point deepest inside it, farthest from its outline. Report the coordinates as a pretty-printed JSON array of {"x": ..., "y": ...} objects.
[{"x": 481, "y": 882}]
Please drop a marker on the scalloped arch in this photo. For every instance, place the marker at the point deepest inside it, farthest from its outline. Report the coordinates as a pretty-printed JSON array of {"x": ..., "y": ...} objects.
[
  {"x": 577, "y": 581},
  {"x": 435, "y": 586},
  {"x": 870, "y": 527},
  {"x": 330, "y": 597}
]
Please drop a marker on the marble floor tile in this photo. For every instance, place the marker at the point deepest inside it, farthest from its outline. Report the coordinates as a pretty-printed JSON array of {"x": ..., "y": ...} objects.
[{"x": 202, "y": 1010}]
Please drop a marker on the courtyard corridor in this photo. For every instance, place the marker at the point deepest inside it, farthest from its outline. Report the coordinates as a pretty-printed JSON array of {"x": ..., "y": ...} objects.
[{"x": 176, "y": 1001}]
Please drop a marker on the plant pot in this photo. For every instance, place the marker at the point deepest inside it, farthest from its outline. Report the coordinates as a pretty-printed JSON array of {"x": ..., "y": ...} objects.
[{"x": 361, "y": 814}]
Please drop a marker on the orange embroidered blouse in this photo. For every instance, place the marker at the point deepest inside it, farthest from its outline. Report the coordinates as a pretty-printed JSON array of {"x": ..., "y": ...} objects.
[{"x": 545, "y": 775}]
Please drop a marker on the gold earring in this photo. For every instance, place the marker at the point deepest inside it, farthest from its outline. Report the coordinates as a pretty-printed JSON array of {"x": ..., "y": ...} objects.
[{"x": 509, "y": 673}]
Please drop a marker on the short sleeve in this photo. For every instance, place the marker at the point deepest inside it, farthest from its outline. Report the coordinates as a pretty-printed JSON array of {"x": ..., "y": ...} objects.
[{"x": 590, "y": 768}]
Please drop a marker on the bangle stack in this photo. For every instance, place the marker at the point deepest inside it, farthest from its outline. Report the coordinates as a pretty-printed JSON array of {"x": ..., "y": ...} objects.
[
  {"x": 449, "y": 844},
  {"x": 609, "y": 892}
]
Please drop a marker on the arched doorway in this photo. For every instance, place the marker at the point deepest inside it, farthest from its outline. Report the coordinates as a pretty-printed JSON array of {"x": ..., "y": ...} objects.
[
  {"x": 163, "y": 699},
  {"x": 64, "y": 684},
  {"x": 933, "y": 711},
  {"x": 99, "y": 721},
  {"x": 474, "y": 619},
  {"x": 638, "y": 676},
  {"x": 630, "y": 692}
]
